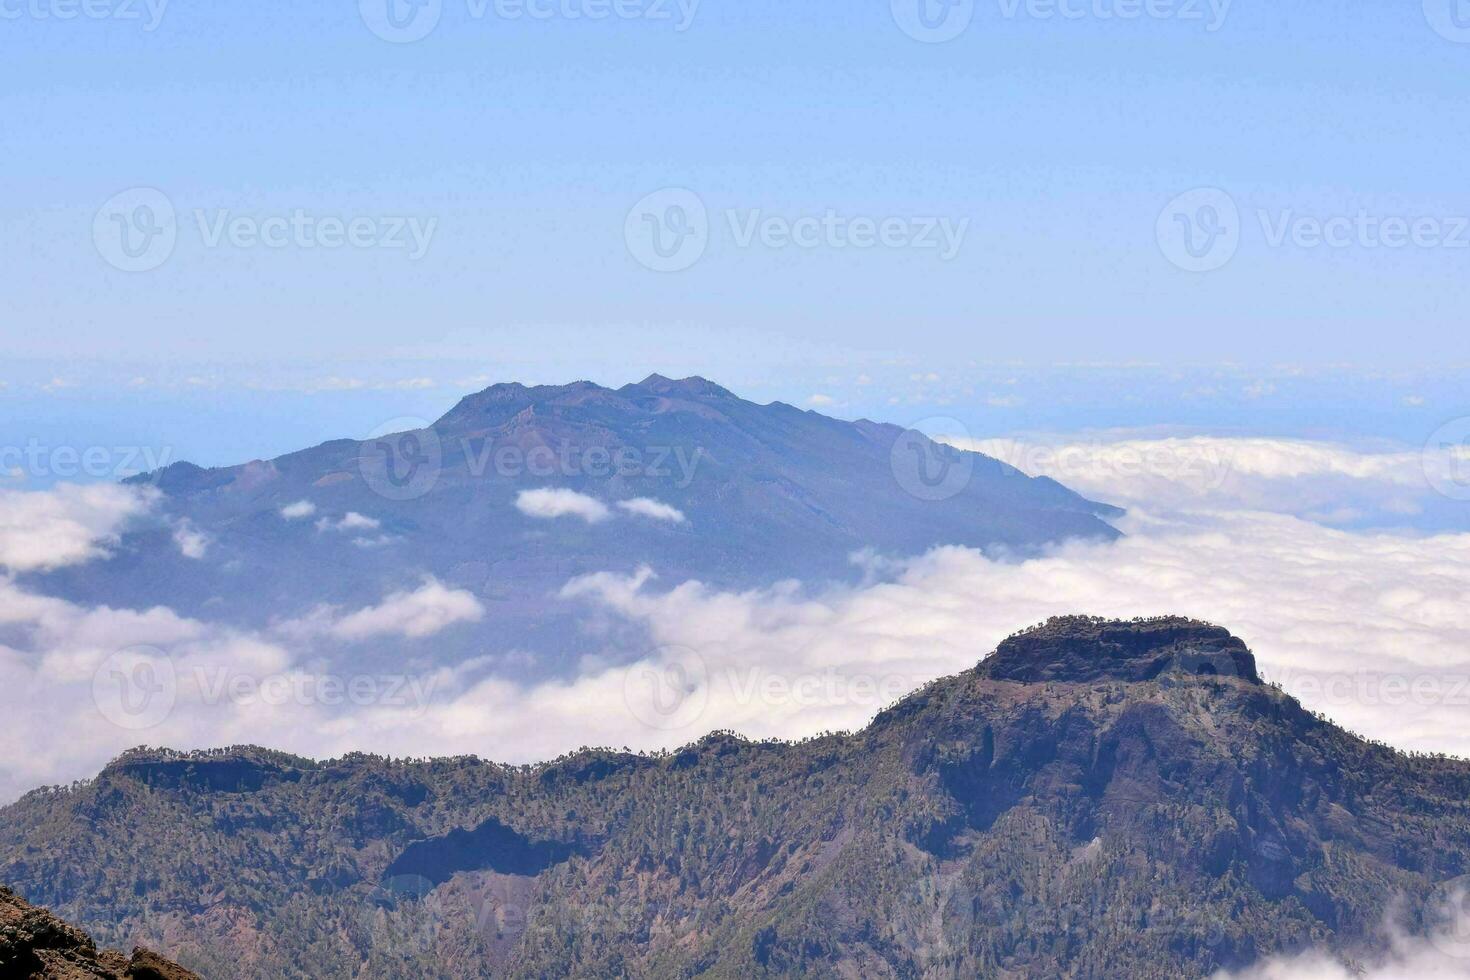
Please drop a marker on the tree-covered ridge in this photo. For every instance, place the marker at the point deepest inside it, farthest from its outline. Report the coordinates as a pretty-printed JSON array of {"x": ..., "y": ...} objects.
[{"x": 983, "y": 826}]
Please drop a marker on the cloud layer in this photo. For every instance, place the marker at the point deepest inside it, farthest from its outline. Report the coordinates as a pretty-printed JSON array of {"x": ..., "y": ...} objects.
[
  {"x": 1372, "y": 628},
  {"x": 68, "y": 525}
]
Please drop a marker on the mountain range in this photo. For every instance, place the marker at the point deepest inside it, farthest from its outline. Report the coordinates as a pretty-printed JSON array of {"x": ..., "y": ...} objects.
[
  {"x": 517, "y": 490},
  {"x": 1094, "y": 799}
]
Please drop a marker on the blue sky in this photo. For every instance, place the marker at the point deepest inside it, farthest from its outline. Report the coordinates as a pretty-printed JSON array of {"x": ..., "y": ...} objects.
[{"x": 1056, "y": 142}]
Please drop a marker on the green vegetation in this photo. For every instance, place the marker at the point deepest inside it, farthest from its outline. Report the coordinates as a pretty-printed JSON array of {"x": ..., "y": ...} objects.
[{"x": 981, "y": 827}]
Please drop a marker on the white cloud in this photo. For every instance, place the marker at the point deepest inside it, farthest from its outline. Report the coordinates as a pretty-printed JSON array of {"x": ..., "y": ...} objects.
[
  {"x": 298, "y": 510},
  {"x": 191, "y": 542},
  {"x": 551, "y": 502},
  {"x": 1340, "y": 619},
  {"x": 425, "y": 611},
  {"x": 820, "y": 400},
  {"x": 1290, "y": 476},
  {"x": 66, "y": 525},
  {"x": 1442, "y": 955},
  {"x": 351, "y": 521},
  {"x": 380, "y": 541},
  {"x": 647, "y": 507}
]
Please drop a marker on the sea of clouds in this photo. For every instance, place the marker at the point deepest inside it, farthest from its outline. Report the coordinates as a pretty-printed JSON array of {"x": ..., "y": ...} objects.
[{"x": 1370, "y": 625}]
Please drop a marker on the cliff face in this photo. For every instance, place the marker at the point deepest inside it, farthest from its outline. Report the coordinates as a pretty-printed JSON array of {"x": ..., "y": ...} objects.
[
  {"x": 1096, "y": 799},
  {"x": 36, "y": 944},
  {"x": 1080, "y": 649}
]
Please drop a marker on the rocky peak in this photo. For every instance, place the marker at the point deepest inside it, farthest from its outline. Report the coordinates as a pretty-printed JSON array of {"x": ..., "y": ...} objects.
[
  {"x": 35, "y": 943},
  {"x": 691, "y": 387},
  {"x": 1084, "y": 649}
]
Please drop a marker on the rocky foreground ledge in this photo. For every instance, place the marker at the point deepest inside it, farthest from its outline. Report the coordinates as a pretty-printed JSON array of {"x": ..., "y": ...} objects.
[{"x": 36, "y": 944}]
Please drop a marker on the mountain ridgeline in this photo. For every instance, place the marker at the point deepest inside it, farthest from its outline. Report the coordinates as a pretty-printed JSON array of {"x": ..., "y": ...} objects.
[
  {"x": 1095, "y": 799},
  {"x": 745, "y": 494}
]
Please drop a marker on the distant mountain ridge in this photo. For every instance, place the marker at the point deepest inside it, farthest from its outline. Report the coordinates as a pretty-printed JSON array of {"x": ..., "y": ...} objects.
[
  {"x": 1097, "y": 798},
  {"x": 683, "y": 476}
]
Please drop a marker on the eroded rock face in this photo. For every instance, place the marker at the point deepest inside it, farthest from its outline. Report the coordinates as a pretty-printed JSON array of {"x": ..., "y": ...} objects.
[
  {"x": 36, "y": 944},
  {"x": 1082, "y": 650}
]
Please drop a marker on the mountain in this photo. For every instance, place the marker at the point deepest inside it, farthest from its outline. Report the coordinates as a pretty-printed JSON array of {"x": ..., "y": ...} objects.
[
  {"x": 684, "y": 477},
  {"x": 1095, "y": 799},
  {"x": 35, "y": 944}
]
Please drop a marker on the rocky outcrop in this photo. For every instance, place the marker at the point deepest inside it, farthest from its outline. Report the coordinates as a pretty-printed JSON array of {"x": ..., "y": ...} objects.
[
  {"x": 36, "y": 944},
  {"x": 1084, "y": 649}
]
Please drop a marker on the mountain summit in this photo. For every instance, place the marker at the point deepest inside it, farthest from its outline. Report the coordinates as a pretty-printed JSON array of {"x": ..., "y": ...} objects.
[
  {"x": 1096, "y": 799},
  {"x": 679, "y": 475},
  {"x": 1083, "y": 650}
]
